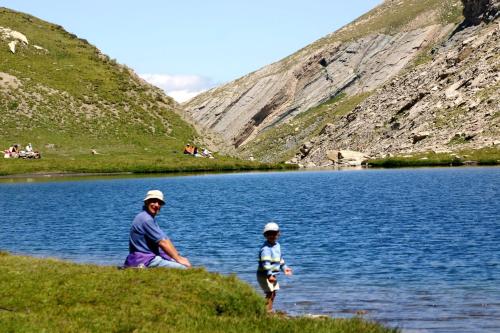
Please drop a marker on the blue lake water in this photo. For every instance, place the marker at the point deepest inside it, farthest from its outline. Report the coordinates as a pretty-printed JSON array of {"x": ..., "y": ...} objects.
[{"x": 414, "y": 248}]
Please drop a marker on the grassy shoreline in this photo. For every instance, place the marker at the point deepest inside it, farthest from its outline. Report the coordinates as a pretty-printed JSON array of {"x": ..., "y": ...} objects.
[
  {"x": 56, "y": 296},
  {"x": 144, "y": 164},
  {"x": 465, "y": 157},
  {"x": 138, "y": 164}
]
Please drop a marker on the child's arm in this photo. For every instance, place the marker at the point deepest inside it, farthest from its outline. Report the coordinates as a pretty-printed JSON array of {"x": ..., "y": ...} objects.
[{"x": 287, "y": 270}]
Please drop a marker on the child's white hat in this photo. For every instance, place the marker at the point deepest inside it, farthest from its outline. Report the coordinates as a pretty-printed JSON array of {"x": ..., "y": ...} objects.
[{"x": 271, "y": 226}]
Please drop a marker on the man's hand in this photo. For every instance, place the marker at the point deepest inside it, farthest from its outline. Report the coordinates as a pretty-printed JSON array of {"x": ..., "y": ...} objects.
[
  {"x": 288, "y": 271},
  {"x": 184, "y": 261},
  {"x": 271, "y": 278}
]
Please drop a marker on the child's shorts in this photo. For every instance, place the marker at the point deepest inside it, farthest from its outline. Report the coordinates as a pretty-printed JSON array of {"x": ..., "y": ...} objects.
[{"x": 267, "y": 286}]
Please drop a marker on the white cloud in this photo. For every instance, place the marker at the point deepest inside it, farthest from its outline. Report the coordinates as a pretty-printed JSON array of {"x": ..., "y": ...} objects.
[
  {"x": 179, "y": 87},
  {"x": 183, "y": 95}
]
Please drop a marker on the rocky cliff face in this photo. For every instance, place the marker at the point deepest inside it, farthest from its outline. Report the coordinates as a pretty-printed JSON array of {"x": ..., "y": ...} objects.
[
  {"x": 449, "y": 103},
  {"x": 428, "y": 85},
  {"x": 242, "y": 109}
]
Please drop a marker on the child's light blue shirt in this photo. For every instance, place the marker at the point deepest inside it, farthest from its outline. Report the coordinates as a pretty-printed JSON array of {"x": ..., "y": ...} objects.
[{"x": 270, "y": 259}]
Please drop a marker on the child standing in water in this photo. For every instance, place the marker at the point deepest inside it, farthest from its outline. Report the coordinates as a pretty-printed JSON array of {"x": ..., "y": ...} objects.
[{"x": 270, "y": 263}]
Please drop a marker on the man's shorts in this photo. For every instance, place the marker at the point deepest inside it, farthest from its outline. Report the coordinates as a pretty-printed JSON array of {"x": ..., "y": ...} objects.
[{"x": 267, "y": 286}]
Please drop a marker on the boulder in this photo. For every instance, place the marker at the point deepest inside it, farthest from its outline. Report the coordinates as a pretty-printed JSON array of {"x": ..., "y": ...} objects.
[
  {"x": 351, "y": 155},
  {"x": 354, "y": 163},
  {"x": 333, "y": 155},
  {"x": 12, "y": 46},
  {"x": 310, "y": 165},
  {"x": 306, "y": 148},
  {"x": 8, "y": 33},
  {"x": 38, "y": 47},
  {"x": 19, "y": 36}
]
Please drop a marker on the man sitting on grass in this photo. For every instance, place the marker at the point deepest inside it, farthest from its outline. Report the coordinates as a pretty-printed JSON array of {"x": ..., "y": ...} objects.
[{"x": 148, "y": 244}]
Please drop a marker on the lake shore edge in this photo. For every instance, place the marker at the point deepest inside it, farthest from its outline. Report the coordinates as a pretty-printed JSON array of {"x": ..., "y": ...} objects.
[
  {"x": 56, "y": 295},
  {"x": 26, "y": 169},
  {"x": 62, "y": 175},
  {"x": 108, "y": 167}
]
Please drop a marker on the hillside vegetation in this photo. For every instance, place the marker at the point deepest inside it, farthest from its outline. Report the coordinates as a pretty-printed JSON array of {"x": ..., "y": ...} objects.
[
  {"x": 65, "y": 97},
  {"x": 38, "y": 295}
]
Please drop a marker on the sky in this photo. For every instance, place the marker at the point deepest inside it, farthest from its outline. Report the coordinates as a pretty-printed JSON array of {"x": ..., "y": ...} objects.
[{"x": 186, "y": 47}]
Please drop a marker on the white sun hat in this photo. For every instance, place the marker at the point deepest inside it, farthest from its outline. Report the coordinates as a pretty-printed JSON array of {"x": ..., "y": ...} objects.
[
  {"x": 271, "y": 226},
  {"x": 154, "y": 194}
]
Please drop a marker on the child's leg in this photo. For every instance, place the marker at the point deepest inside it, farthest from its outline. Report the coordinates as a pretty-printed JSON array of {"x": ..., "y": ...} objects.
[{"x": 270, "y": 300}]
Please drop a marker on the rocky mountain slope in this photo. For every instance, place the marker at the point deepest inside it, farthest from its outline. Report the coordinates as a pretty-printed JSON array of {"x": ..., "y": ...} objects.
[
  {"x": 58, "y": 90},
  {"x": 446, "y": 104},
  {"x": 374, "y": 86},
  {"x": 358, "y": 58}
]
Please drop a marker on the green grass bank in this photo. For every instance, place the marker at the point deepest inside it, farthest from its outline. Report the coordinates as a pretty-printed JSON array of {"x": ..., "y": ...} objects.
[
  {"x": 46, "y": 295},
  {"x": 129, "y": 163},
  {"x": 67, "y": 98},
  {"x": 484, "y": 156}
]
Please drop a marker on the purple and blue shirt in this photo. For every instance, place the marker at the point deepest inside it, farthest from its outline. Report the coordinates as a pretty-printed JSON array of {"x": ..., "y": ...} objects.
[{"x": 145, "y": 234}]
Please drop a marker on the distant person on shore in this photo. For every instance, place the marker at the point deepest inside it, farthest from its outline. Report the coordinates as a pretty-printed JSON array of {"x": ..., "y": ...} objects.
[
  {"x": 148, "y": 244},
  {"x": 270, "y": 263},
  {"x": 189, "y": 150},
  {"x": 14, "y": 150},
  {"x": 206, "y": 153}
]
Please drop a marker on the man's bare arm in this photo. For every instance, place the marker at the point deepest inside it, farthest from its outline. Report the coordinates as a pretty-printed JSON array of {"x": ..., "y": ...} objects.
[{"x": 168, "y": 247}]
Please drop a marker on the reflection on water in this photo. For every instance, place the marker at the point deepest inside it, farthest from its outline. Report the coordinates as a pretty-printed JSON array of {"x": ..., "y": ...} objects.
[{"x": 417, "y": 249}]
